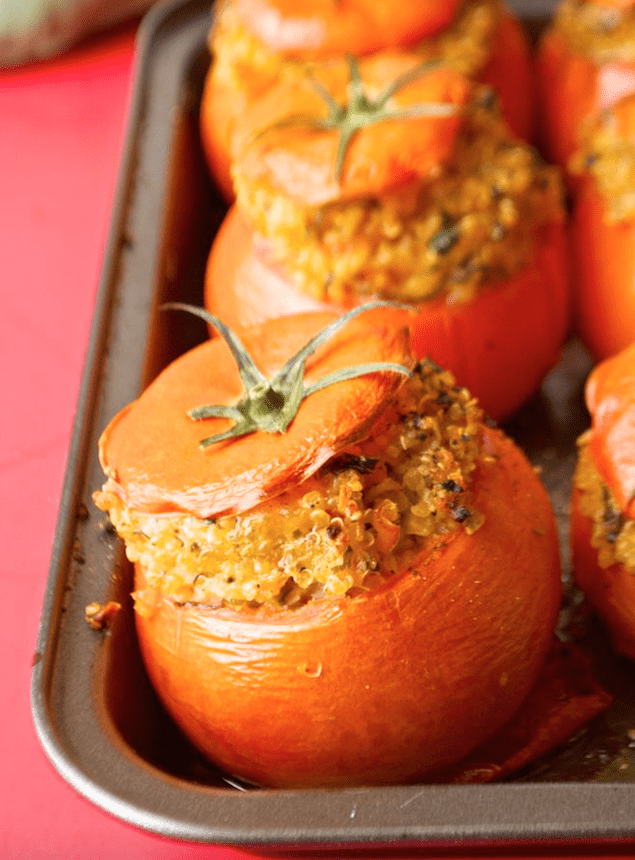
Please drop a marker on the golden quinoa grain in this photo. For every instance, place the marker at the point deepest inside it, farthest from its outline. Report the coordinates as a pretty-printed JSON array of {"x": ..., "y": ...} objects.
[
  {"x": 596, "y": 31},
  {"x": 364, "y": 515},
  {"x": 610, "y": 159}
]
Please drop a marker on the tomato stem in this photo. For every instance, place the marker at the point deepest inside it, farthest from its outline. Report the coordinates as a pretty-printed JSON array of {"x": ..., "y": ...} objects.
[
  {"x": 271, "y": 405},
  {"x": 360, "y": 110}
]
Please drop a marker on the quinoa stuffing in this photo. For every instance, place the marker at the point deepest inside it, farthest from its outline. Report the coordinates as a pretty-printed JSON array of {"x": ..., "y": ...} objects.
[
  {"x": 609, "y": 158},
  {"x": 613, "y": 534},
  {"x": 475, "y": 222},
  {"x": 600, "y": 33},
  {"x": 365, "y": 514}
]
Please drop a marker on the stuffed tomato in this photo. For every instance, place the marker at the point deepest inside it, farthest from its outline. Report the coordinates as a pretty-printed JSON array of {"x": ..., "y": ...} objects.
[
  {"x": 255, "y": 43},
  {"x": 585, "y": 63},
  {"x": 343, "y": 576},
  {"x": 427, "y": 198},
  {"x": 603, "y": 232},
  {"x": 603, "y": 508}
]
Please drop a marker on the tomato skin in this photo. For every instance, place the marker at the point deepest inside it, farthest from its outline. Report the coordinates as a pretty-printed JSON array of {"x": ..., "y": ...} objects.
[
  {"x": 510, "y": 72},
  {"x": 603, "y": 275},
  {"x": 572, "y": 89},
  {"x": 610, "y": 591},
  {"x": 241, "y": 288},
  {"x": 499, "y": 345},
  {"x": 382, "y": 688}
]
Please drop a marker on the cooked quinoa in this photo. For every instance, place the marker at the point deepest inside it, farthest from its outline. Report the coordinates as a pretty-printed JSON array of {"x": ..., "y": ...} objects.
[
  {"x": 474, "y": 223},
  {"x": 363, "y": 516},
  {"x": 610, "y": 159},
  {"x": 600, "y": 33},
  {"x": 241, "y": 59},
  {"x": 613, "y": 534}
]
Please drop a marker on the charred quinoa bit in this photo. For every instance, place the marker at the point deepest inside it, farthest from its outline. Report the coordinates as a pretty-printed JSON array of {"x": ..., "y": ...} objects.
[
  {"x": 364, "y": 515},
  {"x": 610, "y": 159},
  {"x": 465, "y": 46},
  {"x": 474, "y": 223},
  {"x": 597, "y": 32},
  {"x": 613, "y": 535}
]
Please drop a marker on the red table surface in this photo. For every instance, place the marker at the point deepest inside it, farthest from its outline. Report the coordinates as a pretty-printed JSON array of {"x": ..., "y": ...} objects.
[{"x": 61, "y": 136}]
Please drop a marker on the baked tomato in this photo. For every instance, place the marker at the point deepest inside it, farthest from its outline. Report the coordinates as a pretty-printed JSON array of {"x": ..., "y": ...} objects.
[
  {"x": 585, "y": 63},
  {"x": 603, "y": 505},
  {"x": 499, "y": 344},
  {"x": 255, "y": 43},
  {"x": 335, "y": 584},
  {"x": 428, "y": 199},
  {"x": 603, "y": 232}
]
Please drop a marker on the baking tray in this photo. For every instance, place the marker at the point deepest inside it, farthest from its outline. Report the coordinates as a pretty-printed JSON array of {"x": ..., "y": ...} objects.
[{"x": 95, "y": 712}]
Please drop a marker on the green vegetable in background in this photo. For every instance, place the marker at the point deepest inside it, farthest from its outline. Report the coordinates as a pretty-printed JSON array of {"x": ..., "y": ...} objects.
[{"x": 36, "y": 29}]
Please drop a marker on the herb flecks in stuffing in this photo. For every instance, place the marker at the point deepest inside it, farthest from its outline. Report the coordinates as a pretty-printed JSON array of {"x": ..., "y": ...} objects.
[
  {"x": 474, "y": 223},
  {"x": 610, "y": 159},
  {"x": 366, "y": 514}
]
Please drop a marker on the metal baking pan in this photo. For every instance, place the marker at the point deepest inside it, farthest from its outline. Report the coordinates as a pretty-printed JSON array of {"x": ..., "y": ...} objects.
[{"x": 95, "y": 712}]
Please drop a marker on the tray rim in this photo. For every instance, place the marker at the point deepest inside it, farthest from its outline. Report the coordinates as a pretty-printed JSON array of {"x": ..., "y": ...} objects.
[{"x": 509, "y": 813}]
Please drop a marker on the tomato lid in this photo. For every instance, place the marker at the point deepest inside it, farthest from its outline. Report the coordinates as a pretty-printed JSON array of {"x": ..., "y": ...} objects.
[
  {"x": 610, "y": 396},
  {"x": 324, "y": 28},
  {"x": 152, "y": 452},
  {"x": 352, "y": 129}
]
